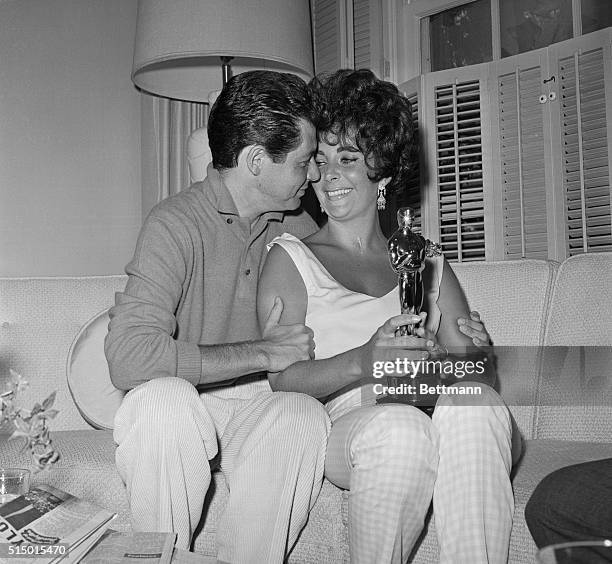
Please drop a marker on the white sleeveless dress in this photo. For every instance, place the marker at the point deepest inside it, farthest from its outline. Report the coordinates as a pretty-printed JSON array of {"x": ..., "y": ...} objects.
[
  {"x": 460, "y": 456},
  {"x": 342, "y": 319}
]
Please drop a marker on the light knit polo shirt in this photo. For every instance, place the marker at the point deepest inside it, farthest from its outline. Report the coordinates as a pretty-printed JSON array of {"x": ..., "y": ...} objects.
[{"x": 192, "y": 281}]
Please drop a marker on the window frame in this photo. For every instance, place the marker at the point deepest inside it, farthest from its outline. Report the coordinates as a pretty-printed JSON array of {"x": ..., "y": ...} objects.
[{"x": 408, "y": 36}]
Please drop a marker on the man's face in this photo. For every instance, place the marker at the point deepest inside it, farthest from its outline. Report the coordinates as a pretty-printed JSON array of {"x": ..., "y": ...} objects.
[{"x": 283, "y": 184}]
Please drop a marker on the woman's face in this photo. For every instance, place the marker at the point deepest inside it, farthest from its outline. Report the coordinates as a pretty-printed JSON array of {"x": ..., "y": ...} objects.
[{"x": 344, "y": 189}]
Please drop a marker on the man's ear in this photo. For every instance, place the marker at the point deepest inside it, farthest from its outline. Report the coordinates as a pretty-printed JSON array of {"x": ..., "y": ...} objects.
[{"x": 255, "y": 157}]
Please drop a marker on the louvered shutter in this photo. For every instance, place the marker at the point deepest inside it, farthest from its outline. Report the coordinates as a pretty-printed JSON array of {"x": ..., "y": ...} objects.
[
  {"x": 521, "y": 155},
  {"x": 458, "y": 139},
  {"x": 545, "y": 164},
  {"x": 328, "y": 35},
  {"x": 584, "y": 94}
]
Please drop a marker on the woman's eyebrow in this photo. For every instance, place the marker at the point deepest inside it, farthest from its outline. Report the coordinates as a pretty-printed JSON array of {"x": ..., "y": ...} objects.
[{"x": 349, "y": 148}]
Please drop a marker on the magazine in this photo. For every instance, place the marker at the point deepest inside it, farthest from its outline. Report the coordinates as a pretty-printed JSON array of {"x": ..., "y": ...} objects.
[
  {"x": 184, "y": 557},
  {"x": 117, "y": 548},
  {"x": 76, "y": 553},
  {"x": 50, "y": 525}
]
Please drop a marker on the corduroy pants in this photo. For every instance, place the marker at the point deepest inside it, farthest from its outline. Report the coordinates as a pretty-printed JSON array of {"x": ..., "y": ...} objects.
[{"x": 270, "y": 448}]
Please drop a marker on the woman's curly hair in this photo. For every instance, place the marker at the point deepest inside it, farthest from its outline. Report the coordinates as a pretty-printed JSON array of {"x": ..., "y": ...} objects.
[{"x": 355, "y": 107}]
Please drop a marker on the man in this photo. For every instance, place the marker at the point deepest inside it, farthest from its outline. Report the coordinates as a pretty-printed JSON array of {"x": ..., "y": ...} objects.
[
  {"x": 573, "y": 504},
  {"x": 187, "y": 318}
]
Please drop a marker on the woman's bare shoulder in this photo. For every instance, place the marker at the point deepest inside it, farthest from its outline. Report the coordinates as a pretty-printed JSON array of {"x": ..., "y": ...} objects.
[{"x": 281, "y": 278}]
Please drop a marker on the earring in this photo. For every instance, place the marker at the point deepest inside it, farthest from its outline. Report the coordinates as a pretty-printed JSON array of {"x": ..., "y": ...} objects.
[
  {"x": 381, "y": 201},
  {"x": 322, "y": 209}
]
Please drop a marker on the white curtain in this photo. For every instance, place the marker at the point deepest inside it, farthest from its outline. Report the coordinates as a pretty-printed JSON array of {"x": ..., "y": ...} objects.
[{"x": 165, "y": 128}]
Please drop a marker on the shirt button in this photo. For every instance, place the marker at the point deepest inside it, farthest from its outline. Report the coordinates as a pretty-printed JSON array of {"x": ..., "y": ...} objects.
[
  {"x": 247, "y": 271},
  {"x": 229, "y": 220}
]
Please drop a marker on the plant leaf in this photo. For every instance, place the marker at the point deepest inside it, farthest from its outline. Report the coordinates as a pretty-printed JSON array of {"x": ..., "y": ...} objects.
[
  {"x": 21, "y": 425},
  {"x": 17, "y": 434},
  {"x": 29, "y": 425},
  {"x": 49, "y": 401}
]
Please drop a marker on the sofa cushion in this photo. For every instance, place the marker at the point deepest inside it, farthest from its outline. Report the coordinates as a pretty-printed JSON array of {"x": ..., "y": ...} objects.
[
  {"x": 580, "y": 310},
  {"x": 88, "y": 374},
  {"x": 575, "y": 388},
  {"x": 39, "y": 318},
  {"x": 512, "y": 297},
  {"x": 575, "y": 394}
]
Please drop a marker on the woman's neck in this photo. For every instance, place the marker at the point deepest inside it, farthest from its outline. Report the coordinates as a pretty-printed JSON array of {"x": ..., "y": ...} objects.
[{"x": 358, "y": 236}]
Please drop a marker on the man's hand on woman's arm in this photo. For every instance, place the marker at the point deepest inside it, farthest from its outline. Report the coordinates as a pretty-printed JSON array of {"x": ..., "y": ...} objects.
[
  {"x": 474, "y": 328},
  {"x": 285, "y": 344},
  {"x": 280, "y": 347}
]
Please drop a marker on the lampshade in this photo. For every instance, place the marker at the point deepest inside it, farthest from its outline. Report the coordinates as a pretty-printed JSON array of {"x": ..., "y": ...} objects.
[{"x": 179, "y": 42}]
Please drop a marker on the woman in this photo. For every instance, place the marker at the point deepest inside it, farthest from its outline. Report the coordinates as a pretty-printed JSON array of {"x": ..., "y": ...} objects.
[{"x": 339, "y": 282}]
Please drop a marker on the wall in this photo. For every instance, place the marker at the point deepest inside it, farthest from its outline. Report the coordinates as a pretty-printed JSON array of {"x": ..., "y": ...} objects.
[{"x": 69, "y": 137}]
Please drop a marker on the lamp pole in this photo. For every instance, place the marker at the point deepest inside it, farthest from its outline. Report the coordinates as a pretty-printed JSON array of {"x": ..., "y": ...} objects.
[{"x": 226, "y": 68}]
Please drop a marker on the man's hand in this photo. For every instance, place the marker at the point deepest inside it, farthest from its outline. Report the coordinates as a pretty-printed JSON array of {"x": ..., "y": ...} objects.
[
  {"x": 474, "y": 328},
  {"x": 285, "y": 344}
]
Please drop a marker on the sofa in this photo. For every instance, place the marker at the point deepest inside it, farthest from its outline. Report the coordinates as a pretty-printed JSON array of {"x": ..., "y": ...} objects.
[{"x": 551, "y": 323}]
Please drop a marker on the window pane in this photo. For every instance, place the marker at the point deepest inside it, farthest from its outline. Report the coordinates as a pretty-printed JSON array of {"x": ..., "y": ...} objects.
[
  {"x": 596, "y": 14},
  {"x": 461, "y": 36},
  {"x": 531, "y": 24}
]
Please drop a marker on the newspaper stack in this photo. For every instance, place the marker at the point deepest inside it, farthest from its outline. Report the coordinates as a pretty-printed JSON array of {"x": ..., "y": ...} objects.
[
  {"x": 118, "y": 548},
  {"x": 50, "y": 525}
]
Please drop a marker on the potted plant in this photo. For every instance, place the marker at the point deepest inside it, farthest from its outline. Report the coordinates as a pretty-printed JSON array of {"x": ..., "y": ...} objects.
[{"x": 31, "y": 425}]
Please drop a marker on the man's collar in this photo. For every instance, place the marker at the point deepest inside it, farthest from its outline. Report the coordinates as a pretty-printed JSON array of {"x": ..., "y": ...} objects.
[
  {"x": 273, "y": 216},
  {"x": 220, "y": 195},
  {"x": 223, "y": 201}
]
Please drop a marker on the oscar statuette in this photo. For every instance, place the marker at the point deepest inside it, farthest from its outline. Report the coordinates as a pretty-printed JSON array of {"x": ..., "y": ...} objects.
[{"x": 407, "y": 253}]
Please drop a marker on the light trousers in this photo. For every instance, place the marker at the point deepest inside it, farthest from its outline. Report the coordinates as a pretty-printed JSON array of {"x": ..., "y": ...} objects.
[
  {"x": 393, "y": 459},
  {"x": 271, "y": 451}
]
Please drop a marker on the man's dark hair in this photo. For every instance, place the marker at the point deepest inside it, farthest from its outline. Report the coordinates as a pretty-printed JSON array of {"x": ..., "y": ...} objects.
[
  {"x": 258, "y": 108},
  {"x": 355, "y": 107}
]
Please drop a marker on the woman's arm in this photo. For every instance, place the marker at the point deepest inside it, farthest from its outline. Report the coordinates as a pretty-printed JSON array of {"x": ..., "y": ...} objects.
[
  {"x": 453, "y": 305},
  {"x": 321, "y": 378}
]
